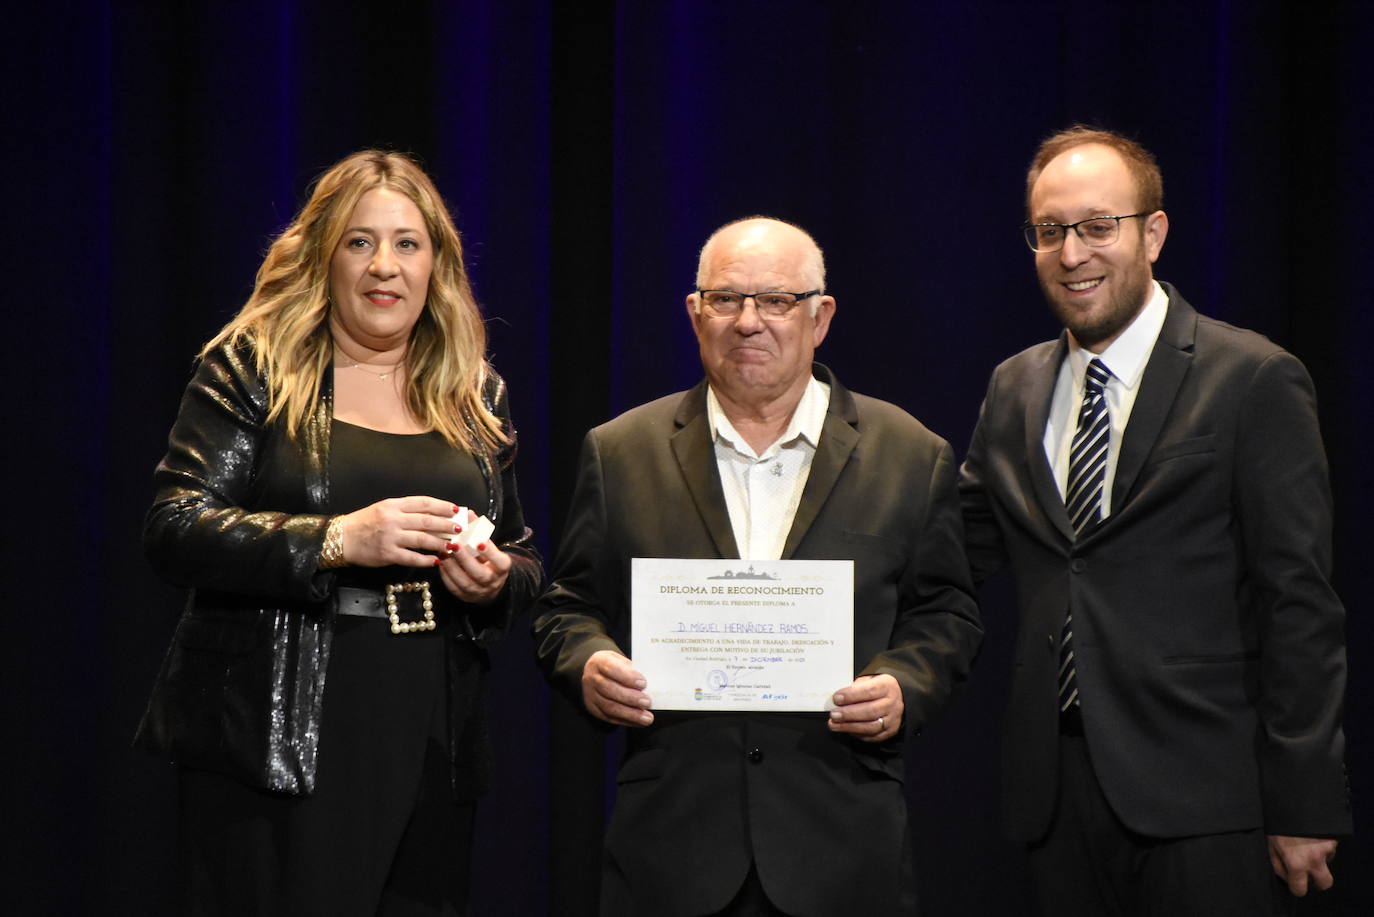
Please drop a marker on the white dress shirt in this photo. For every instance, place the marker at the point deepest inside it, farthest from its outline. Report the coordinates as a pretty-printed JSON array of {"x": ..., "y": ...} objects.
[
  {"x": 1125, "y": 358},
  {"x": 762, "y": 491}
]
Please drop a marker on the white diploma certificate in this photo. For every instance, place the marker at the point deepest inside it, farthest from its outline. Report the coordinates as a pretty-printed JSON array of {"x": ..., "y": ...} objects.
[{"x": 764, "y": 635}]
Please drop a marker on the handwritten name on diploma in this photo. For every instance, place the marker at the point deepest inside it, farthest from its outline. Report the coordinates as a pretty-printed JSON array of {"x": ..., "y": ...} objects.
[
  {"x": 740, "y": 627},
  {"x": 737, "y": 635}
]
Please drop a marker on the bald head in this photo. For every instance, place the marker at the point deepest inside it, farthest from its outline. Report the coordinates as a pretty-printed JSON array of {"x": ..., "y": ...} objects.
[
  {"x": 764, "y": 234},
  {"x": 759, "y": 362}
]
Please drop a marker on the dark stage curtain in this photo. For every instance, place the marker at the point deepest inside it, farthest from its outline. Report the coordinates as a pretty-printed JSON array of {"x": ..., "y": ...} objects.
[{"x": 587, "y": 150}]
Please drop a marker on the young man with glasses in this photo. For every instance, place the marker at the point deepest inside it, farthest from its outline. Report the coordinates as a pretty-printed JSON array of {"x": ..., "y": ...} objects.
[
  {"x": 1157, "y": 484},
  {"x": 768, "y": 458}
]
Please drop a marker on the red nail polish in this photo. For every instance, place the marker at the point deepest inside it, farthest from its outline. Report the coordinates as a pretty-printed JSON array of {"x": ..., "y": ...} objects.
[
  {"x": 482, "y": 546},
  {"x": 457, "y": 529},
  {"x": 438, "y": 561},
  {"x": 454, "y": 511}
]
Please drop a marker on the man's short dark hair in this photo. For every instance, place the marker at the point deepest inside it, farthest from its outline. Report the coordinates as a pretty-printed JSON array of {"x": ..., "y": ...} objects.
[{"x": 1149, "y": 183}]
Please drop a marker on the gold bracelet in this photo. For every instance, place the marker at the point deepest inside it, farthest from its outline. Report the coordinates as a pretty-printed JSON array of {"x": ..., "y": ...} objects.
[{"x": 332, "y": 555}]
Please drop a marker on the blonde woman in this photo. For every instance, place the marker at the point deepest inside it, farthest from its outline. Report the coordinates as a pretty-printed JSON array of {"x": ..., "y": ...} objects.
[{"x": 323, "y": 692}]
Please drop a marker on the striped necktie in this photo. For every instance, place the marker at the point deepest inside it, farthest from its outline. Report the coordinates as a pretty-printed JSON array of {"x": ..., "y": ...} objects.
[
  {"x": 1083, "y": 497},
  {"x": 1088, "y": 453}
]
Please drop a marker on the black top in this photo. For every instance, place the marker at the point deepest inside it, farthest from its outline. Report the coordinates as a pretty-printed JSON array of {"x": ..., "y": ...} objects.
[{"x": 367, "y": 465}]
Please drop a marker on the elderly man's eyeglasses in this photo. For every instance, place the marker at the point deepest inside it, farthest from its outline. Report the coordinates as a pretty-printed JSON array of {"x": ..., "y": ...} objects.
[
  {"x": 772, "y": 306},
  {"x": 1095, "y": 231}
]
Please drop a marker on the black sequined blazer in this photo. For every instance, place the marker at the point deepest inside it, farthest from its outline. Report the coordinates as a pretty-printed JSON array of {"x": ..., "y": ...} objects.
[{"x": 239, "y": 517}]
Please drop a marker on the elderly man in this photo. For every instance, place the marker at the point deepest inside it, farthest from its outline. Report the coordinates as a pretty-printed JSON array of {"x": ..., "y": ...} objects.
[
  {"x": 1157, "y": 483},
  {"x": 769, "y": 457}
]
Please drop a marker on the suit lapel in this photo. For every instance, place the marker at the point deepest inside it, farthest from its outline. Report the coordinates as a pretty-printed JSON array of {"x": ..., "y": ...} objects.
[
  {"x": 839, "y": 436},
  {"x": 1169, "y": 362},
  {"x": 1039, "y": 392},
  {"x": 696, "y": 458}
]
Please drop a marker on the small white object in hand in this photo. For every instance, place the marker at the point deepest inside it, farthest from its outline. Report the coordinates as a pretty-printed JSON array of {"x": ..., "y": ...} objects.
[{"x": 474, "y": 533}]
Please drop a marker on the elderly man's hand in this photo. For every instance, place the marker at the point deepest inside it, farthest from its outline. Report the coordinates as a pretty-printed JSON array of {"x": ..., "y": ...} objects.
[
  {"x": 1298, "y": 859},
  {"x": 613, "y": 690},
  {"x": 870, "y": 708}
]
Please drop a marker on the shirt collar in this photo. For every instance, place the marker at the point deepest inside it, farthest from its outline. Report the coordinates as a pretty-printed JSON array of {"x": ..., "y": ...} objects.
[
  {"x": 1126, "y": 357},
  {"x": 808, "y": 419}
]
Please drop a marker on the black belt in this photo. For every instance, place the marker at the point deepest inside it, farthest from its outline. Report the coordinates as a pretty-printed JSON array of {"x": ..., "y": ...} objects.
[
  {"x": 408, "y": 606},
  {"x": 365, "y": 603},
  {"x": 371, "y": 603}
]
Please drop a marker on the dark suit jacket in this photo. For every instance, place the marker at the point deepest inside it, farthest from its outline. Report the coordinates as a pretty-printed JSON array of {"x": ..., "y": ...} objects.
[
  {"x": 1209, "y": 644},
  {"x": 822, "y": 815}
]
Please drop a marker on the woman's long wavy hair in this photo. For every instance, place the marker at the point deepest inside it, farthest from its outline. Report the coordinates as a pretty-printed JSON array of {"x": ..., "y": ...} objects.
[{"x": 287, "y": 317}]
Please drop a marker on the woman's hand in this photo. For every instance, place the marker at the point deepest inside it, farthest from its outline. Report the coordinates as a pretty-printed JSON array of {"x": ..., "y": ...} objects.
[
  {"x": 476, "y": 575},
  {"x": 395, "y": 531}
]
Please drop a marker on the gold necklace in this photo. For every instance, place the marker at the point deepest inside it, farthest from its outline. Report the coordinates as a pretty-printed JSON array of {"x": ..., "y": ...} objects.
[{"x": 380, "y": 377}]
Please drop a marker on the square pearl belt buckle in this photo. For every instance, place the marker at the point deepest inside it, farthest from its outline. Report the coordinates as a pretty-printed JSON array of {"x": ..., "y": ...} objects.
[{"x": 409, "y": 627}]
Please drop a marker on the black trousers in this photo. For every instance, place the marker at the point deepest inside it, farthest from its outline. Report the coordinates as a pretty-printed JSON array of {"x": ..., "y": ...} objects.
[
  {"x": 1092, "y": 865},
  {"x": 381, "y": 835}
]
